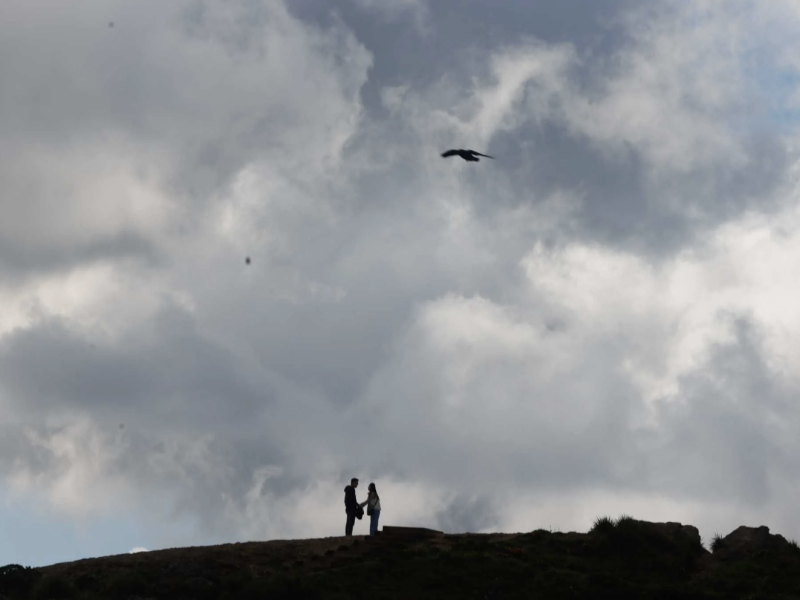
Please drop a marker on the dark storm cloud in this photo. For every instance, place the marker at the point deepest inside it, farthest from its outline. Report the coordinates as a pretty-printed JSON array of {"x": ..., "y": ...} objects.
[
  {"x": 168, "y": 372},
  {"x": 18, "y": 262},
  {"x": 620, "y": 207}
]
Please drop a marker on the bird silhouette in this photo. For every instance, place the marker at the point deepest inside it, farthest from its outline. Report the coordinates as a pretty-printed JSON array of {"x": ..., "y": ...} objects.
[
  {"x": 247, "y": 260},
  {"x": 468, "y": 155}
]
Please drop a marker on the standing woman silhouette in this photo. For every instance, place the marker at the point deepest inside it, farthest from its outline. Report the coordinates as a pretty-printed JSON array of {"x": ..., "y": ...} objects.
[{"x": 373, "y": 508}]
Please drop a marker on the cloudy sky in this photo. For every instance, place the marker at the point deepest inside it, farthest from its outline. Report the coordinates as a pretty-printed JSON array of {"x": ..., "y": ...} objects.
[{"x": 603, "y": 320}]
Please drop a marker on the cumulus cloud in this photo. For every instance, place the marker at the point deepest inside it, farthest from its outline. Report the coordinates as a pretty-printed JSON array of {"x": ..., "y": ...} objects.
[{"x": 600, "y": 320}]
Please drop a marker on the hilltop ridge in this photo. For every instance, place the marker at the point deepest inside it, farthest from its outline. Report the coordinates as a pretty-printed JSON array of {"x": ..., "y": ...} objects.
[{"x": 625, "y": 558}]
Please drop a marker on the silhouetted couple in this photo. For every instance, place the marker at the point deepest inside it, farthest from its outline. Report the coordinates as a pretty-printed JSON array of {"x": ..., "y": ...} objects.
[{"x": 355, "y": 510}]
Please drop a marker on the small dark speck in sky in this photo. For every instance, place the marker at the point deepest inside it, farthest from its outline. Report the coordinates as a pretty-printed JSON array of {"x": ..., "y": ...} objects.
[{"x": 247, "y": 260}]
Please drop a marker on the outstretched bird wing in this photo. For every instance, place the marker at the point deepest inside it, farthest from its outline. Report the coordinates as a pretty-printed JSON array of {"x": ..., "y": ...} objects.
[
  {"x": 450, "y": 153},
  {"x": 479, "y": 154}
]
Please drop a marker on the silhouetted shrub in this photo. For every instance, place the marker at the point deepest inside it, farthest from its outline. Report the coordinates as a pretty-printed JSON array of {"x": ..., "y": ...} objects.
[
  {"x": 625, "y": 521},
  {"x": 716, "y": 542},
  {"x": 602, "y": 525},
  {"x": 16, "y": 579}
]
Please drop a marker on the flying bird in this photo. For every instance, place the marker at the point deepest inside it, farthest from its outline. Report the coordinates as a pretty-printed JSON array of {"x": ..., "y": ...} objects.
[
  {"x": 468, "y": 155},
  {"x": 247, "y": 260}
]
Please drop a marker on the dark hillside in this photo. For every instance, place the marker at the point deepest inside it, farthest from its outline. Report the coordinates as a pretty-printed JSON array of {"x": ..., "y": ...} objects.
[{"x": 622, "y": 559}]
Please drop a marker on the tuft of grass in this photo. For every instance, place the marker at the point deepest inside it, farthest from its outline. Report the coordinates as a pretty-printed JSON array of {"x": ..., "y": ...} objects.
[
  {"x": 716, "y": 542},
  {"x": 602, "y": 525},
  {"x": 624, "y": 520}
]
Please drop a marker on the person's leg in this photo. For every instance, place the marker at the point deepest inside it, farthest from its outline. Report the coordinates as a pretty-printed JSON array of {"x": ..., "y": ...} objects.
[
  {"x": 351, "y": 520},
  {"x": 373, "y": 522}
]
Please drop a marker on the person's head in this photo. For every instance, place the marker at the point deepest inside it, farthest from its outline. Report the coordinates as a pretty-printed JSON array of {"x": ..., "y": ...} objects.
[
  {"x": 354, "y": 482},
  {"x": 371, "y": 488}
]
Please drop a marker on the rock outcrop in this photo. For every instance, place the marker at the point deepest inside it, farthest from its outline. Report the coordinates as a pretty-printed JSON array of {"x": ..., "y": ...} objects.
[
  {"x": 674, "y": 531},
  {"x": 744, "y": 542}
]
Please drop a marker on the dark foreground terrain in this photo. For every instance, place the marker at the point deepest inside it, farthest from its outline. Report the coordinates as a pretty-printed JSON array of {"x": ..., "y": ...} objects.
[{"x": 622, "y": 559}]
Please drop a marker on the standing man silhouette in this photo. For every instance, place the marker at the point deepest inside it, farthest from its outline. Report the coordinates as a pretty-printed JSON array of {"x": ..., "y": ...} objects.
[{"x": 351, "y": 506}]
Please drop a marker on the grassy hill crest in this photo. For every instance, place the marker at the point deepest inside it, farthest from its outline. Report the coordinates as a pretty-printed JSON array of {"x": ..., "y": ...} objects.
[{"x": 622, "y": 558}]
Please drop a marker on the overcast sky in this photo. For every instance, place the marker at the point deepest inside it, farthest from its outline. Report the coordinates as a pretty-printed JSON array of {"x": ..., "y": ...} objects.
[{"x": 603, "y": 320}]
